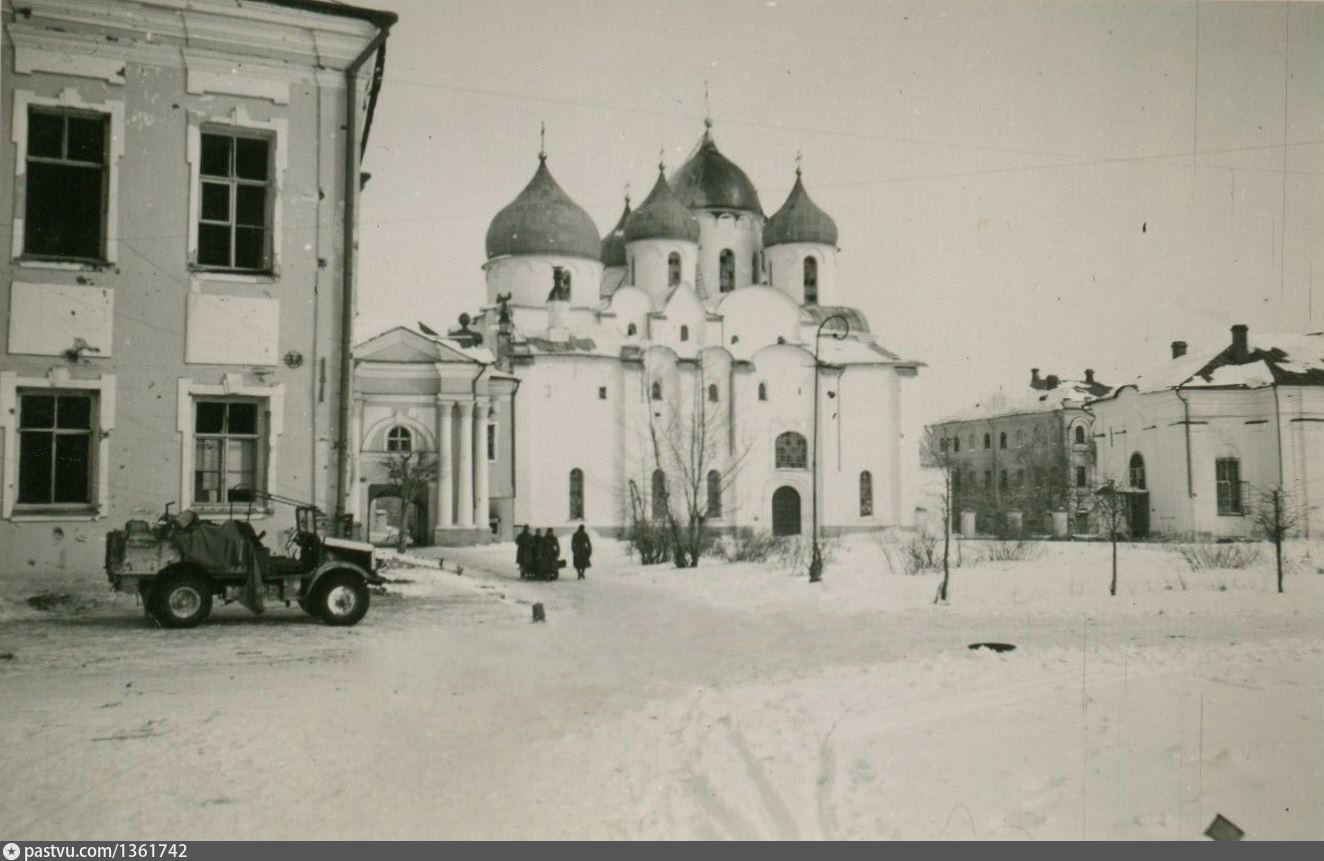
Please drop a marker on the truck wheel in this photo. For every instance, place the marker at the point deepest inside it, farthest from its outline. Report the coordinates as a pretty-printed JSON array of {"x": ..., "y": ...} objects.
[
  {"x": 340, "y": 598},
  {"x": 181, "y": 600}
]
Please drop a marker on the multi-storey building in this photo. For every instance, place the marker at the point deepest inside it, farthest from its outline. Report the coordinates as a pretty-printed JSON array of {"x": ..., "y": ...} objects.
[{"x": 179, "y": 181}]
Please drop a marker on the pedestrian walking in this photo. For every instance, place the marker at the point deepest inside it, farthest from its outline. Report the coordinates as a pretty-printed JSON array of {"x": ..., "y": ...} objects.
[
  {"x": 533, "y": 556},
  {"x": 551, "y": 555},
  {"x": 582, "y": 549},
  {"x": 522, "y": 542}
]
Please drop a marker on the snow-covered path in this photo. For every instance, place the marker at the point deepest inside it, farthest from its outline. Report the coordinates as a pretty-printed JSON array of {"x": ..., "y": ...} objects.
[{"x": 726, "y": 702}]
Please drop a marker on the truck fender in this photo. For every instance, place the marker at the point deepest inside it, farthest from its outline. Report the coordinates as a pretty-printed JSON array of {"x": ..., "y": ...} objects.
[{"x": 310, "y": 582}]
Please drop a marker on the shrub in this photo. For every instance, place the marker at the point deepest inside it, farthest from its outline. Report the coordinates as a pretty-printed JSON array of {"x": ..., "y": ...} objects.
[
  {"x": 1011, "y": 550},
  {"x": 749, "y": 546},
  {"x": 920, "y": 553},
  {"x": 1201, "y": 557},
  {"x": 649, "y": 541},
  {"x": 795, "y": 553}
]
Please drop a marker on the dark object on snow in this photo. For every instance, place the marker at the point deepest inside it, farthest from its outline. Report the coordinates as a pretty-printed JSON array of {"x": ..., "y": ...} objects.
[
  {"x": 539, "y": 614},
  {"x": 582, "y": 550},
  {"x": 523, "y": 541},
  {"x": 1223, "y": 829},
  {"x": 997, "y": 647}
]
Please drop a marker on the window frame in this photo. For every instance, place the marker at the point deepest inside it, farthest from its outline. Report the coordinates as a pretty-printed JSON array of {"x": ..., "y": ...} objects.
[
  {"x": 866, "y": 493},
  {"x": 260, "y": 475},
  {"x": 714, "y": 396},
  {"x": 234, "y": 182},
  {"x": 91, "y": 432},
  {"x": 1229, "y": 499},
  {"x": 674, "y": 268},
  {"x": 231, "y": 384},
  {"x": 1132, "y": 471},
  {"x": 810, "y": 279},
  {"x": 713, "y": 495},
  {"x": 778, "y": 449},
  {"x": 576, "y": 493},
  {"x": 491, "y": 442},
  {"x": 103, "y": 168},
  {"x": 723, "y": 257},
  {"x": 392, "y": 445}
]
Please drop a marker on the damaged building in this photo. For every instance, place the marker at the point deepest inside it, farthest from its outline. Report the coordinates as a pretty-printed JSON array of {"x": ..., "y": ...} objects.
[{"x": 181, "y": 181}]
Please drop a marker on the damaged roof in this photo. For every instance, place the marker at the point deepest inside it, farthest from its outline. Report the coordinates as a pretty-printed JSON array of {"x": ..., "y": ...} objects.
[
  {"x": 1005, "y": 402},
  {"x": 1285, "y": 360}
]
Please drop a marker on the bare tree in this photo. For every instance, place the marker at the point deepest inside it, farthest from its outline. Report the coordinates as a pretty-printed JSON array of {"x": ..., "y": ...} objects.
[
  {"x": 1112, "y": 503},
  {"x": 934, "y": 453},
  {"x": 1278, "y": 515},
  {"x": 410, "y": 472},
  {"x": 689, "y": 441}
]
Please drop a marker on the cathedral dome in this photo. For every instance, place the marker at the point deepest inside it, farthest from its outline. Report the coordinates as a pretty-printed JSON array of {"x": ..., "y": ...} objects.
[
  {"x": 799, "y": 220},
  {"x": 661, "y": 216},
  {"x": 710, "y": 180},
  {"x": 543, "y": 219},
  {"x": 613, "y": 244}
]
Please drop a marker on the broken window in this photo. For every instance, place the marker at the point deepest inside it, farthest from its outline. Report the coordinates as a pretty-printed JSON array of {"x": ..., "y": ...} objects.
[
  {"x": 226, "y": 433},
  {"x": 65, "y": 211},
  {"x": 726, "y": 270},
  {"x": 55, "y": 448},
  {"x": 234, "y": 213}
]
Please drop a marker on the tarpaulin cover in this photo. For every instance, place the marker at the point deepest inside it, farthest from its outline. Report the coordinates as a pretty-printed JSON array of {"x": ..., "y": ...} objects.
[{"x": 227, "y": 547}]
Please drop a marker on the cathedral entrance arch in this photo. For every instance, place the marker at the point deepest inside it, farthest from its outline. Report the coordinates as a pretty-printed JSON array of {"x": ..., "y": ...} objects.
[
  {"x": 387, "y": 514},
  {"x": 786, "y": 511}
]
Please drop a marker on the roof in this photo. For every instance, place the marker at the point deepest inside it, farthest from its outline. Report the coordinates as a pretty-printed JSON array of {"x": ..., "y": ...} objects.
[
  {"x": 613, "y": 244},
  {"x": 379, "y": 17},
  {"x": 799, "y": 220},
  {"x": 661, "y": 216},
  {"x": 710, "y": 180},
  {"x": 1021, "y": 401},
  {"x": 1288, "y": 360},
  {"x": 542, "y": 219},
  {"x": 855, "y": 317}
]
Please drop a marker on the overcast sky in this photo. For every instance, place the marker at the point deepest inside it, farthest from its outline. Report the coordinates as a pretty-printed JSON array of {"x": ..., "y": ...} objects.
[{"x": 1017, "y": 185}]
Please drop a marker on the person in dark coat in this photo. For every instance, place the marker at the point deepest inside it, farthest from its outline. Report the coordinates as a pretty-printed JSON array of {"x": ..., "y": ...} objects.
[
  {"x": 522, "y": 542},
  {"x": 533, "y": 556},
  {"x": 582, "y": 548},
  {"x": 551, "y": 555}
]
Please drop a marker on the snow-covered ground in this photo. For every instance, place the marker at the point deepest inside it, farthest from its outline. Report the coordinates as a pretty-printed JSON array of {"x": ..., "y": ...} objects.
[{"x": 735, "y": 700}]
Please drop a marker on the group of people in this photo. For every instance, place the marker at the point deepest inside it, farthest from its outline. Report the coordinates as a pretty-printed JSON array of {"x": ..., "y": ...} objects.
[{"x": 538, "y": 556}]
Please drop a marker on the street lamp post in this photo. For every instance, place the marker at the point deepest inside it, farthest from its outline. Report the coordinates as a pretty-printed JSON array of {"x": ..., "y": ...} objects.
[{"x": 816, "y": 558}]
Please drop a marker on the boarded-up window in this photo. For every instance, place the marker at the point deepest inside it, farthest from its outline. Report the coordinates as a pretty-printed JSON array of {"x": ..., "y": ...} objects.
[
  {"x": 55, "y": 448},
  {"x": 65, "y": 211}
]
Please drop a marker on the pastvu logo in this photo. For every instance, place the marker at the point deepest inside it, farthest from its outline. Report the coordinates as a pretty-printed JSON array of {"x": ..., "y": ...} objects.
[{"x": 11, "y": 851}]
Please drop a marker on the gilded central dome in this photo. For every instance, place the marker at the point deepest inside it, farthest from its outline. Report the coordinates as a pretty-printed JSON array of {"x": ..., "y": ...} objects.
[
  {"x": 799, "y": 220},
  {"x": 662, "y": 216},
  {"x": 542, "y": 219},
  {"x": 710, "y": 180}
]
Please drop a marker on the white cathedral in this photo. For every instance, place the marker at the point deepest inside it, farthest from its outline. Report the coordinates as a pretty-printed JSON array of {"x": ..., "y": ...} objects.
[{"x": 670, "y": 363}]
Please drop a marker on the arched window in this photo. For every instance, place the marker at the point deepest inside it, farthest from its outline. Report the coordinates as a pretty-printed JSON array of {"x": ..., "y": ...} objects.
[
  {"x": 726, "y": 270},
  {"x": 763, "y": 391},
  {"x": 956, "y": 443},
  {"x": 659, "y": 494},
  {"x": 792, "y": 451},
  {"x": 1002, "y": 440},
  {"x": 576, "y": 494},
  {"x": 988, "y": 441},
  {"x": 632, "y": 330},
  {"x": 673, "y": 269},
  {"x": 684, "y": 332},
  {"x": 657, "y": 391},
  {"x": 560, "y": 285},
  {"x": 811, "y": 281},
  {"x": 714, "y": 493},
  {"x": 1227, "y": 476},
  {"x": 1080, "y": 434},
  {"x": 1137, "y": 471},
  {"x": 866, "y": 494},
  {"x": 712, "y": 392},
  {"x": 399, "y": 439}
]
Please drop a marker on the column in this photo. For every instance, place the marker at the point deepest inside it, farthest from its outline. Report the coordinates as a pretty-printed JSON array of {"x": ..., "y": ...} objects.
[
  {"x": 446, "y": 470},
  {"x": 481, "y": 504},
  {"x": 465, "y": 505}
]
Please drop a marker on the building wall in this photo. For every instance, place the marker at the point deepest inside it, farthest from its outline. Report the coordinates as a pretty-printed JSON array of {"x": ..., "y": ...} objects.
[{"x": 161, "y": 328}]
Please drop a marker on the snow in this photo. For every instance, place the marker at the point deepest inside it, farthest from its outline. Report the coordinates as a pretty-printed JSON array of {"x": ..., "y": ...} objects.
[{"x": 728, "y": 701}]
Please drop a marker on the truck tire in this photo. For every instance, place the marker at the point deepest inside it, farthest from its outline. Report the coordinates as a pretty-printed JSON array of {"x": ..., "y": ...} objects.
[
  {"x": 340, "y": 597},
  {"x": 181, "y": 599}
]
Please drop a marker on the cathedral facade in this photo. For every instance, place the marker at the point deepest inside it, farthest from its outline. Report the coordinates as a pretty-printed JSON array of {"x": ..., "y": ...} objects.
[{"x": 672, "y": 364}]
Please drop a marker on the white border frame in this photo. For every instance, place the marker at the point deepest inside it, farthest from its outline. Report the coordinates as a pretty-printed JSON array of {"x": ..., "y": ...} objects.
[{"x": 232, "y": 385}]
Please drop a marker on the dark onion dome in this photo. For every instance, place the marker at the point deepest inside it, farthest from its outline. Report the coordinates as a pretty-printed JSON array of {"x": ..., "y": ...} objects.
[
  {"x": 710, "y": 180},
  {"x": 799, "y": 220},
  {"x": 543, "y": 219},
  {"x": 613, "y": 244},
  {"x": 662, "y": 216}
]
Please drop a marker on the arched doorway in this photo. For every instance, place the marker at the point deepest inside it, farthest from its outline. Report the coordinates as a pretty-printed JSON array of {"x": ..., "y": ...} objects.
[
  {"x": 786, "y": 511},
  {"x": 385, "y": 515}
]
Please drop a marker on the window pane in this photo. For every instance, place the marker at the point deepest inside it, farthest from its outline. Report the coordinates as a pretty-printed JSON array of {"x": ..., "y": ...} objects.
[
  {"x": 240, "y": 466},
  {"x": 37, "y": 411},
  {"x": 250, "y": 158},
  {"x": 213, "y": 245},
  {"x": 72, "y": 466},
  {"x": 206, "y": 470},
  {"x": 45, "y": 134},
  {"x": 75, "y": 412},
  {"x": 63, "y": 211},
  {"x": 250, "y": 248},
  {"x": 34, "y": 466},
  {"x": 243, "y": 419},
  {"x": 210, "y": 417},
  {"x": 216, "y": 155},
  {"x": 251, "y": 205},
  {"x": 215, "y": 201},
  {"x": 87, "y": 139}
]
